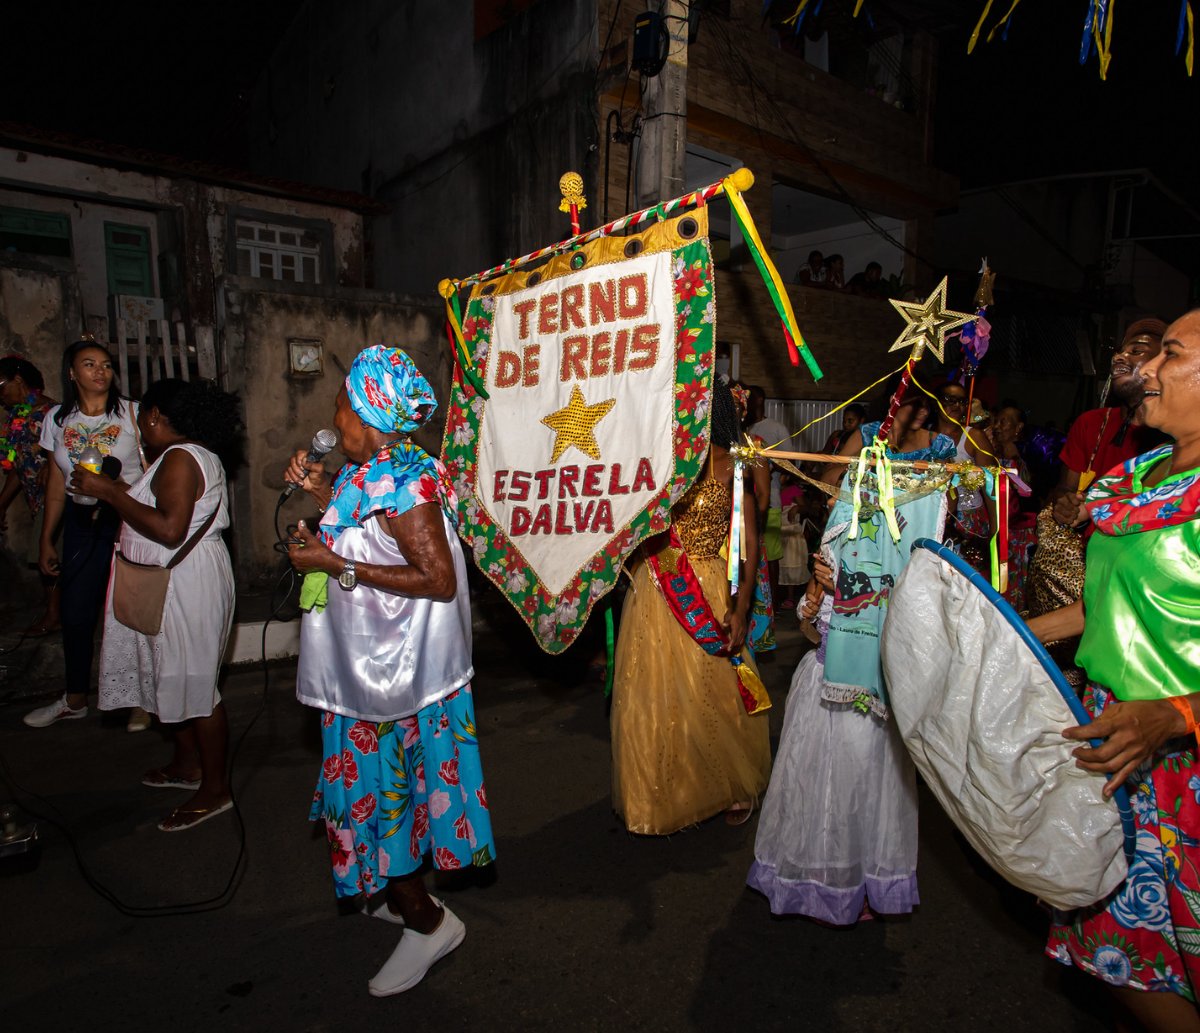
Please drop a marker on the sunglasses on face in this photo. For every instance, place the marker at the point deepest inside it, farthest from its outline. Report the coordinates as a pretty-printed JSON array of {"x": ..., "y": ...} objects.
[{"x": 953, "y": 400}]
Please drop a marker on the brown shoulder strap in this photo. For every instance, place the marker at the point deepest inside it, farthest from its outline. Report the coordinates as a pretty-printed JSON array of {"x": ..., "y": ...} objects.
[{"x": 191, "y": 543}]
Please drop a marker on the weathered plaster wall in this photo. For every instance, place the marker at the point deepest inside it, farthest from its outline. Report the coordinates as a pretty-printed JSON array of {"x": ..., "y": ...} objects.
[
  {"x": 283, "y": 413},
  {"x": 87, "y": 239},
  {"x": 194, "y": 215},
  {"x": 35, "y": 308},
  {"x": 466, "y": 145}
]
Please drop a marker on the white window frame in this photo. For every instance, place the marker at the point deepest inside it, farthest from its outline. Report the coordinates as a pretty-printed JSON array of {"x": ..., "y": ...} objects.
[{"x": 265, "y": 251}]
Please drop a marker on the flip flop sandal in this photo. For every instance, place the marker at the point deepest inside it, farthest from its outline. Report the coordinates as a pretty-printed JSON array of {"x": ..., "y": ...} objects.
[
  {"x": 197, "y": 816},
  {"x": 159, "y": 779},
  {"x": 738, "y": 815}
]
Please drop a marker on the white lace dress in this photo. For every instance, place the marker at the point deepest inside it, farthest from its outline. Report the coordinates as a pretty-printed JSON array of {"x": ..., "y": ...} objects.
[{"x": 174, "y": 674}]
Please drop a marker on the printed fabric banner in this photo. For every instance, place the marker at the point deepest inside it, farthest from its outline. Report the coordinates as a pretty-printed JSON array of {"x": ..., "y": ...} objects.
[{"x": 598, "y": 367}]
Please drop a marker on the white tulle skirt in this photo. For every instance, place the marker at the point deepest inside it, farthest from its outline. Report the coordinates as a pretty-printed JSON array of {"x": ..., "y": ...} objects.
[{"x": 839, "y": 820}]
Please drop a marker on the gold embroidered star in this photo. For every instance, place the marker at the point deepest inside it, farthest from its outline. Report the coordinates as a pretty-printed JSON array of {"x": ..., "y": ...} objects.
[
  {"x": 575, "y": 425},
  {"x": 928, "y": 323}
]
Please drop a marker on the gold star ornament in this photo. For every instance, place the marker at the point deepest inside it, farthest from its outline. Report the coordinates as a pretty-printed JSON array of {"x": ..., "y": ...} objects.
[
  {"x": 574, "y": 425},
  {"x": 928, "y": 323}
]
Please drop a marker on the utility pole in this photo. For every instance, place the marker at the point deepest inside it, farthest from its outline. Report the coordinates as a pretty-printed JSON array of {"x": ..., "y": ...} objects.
[{"x": 663, "y": 144}]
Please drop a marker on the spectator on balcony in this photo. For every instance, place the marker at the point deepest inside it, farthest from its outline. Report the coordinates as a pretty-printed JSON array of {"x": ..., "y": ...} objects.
[
  {"x": 835, "y": 273},
  {"x": 869, "y": 283},
  {"x": 812, "y": 273}
]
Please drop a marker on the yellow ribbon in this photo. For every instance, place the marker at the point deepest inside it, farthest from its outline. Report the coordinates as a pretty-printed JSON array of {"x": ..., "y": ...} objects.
[
  {"x": 447, "y": 289},
  {"x": 887, "y": 493},
  {"x": 754, "y": 688},
  {"x": 1191, "y": 36},
  {"x": 856, "y": 502},
  {"x": 1104, "y": 45},
  {"x": 792, "y": 18},
  {"x": 996, "y": 27},
  {"x": 978, "y": 27}
]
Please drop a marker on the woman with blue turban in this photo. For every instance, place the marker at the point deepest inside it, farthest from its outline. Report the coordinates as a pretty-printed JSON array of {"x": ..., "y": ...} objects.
[{"x": 385, "y": 654}]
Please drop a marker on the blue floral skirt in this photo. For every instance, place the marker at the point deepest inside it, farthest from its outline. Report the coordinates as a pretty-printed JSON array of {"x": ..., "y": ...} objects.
[{"x": 393, "y": 792}]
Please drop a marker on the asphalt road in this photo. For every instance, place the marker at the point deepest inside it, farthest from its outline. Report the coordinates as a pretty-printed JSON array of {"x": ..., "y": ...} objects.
[{"x": 578, "y": 926}]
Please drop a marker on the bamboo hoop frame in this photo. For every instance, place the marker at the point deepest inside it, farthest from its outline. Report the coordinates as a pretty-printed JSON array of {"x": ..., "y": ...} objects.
[{"x": 919, "y": 465}]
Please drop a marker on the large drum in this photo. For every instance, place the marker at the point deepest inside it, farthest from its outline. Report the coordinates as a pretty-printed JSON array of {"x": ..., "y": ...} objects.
[{"x": 981, "y": 708}]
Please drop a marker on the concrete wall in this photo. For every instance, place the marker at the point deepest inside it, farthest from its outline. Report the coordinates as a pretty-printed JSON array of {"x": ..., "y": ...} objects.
[
  {"x": 465, "y": 138},
  {"x": 87, "y": 239},
  {"x": 283, "y": 413}
]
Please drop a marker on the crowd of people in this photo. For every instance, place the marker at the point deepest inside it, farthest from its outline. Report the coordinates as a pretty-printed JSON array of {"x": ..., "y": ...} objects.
[
  {"x": 829, "y": 273},
  {"x": 1104, "y": 566}
]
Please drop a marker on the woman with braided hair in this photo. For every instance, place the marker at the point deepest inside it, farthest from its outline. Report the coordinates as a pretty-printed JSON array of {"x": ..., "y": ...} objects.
[{"x": 689, "y": 732}]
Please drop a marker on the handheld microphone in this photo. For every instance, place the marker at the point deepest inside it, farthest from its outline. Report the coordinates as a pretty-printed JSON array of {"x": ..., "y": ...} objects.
[
  {"x": 323, "y": 442},
  {"x": 110, "y": 467}
]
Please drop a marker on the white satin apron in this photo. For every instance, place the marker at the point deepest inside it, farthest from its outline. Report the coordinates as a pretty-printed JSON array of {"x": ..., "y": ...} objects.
[{"x": 378, "y": 656}]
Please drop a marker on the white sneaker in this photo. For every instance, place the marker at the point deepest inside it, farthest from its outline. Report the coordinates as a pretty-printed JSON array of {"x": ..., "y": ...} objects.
[
  {"x": 45, "y": 716},
  {"x": 416, "y": 954},
  {"x": 377, "y": 907}
]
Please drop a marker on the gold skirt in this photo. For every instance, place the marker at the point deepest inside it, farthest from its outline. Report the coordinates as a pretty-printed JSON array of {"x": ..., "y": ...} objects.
[{"x": 683, "y": 746}]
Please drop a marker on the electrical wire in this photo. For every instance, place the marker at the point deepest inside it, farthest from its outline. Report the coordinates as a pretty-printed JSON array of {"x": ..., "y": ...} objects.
[{"x": 229, "y": 891}]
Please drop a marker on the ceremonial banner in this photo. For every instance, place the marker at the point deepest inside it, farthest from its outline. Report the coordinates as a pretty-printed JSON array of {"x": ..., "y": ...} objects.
[{"x": 598, "y": 370}]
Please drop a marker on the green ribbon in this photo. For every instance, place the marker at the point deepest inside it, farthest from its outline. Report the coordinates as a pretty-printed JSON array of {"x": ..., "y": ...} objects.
[
  {"x": 609, "y": 651},
  {"x": 314, "y": 591},
  {"x": 468, "y": 369}
]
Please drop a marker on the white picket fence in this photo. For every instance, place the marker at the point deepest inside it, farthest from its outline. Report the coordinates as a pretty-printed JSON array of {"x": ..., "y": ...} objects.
[{"x": 151, "y": 349}]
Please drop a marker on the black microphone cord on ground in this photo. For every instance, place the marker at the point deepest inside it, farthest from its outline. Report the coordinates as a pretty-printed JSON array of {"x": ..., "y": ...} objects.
[{"x": 229, "y": 891}]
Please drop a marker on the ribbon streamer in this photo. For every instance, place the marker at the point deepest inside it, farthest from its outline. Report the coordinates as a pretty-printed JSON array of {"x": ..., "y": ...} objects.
[
  {"x": 609, "y": 650},
  {"x": 857, "y": 504},
  {"x": 1186, "y": 30},
  {"x": 462, "y": 354},
  {"x": 734, "y": 568},
  {"x": 797, "y": 346}
]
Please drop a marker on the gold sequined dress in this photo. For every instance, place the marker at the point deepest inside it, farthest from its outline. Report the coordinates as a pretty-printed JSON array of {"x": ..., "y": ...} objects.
[{"x": 683, "y": 746}]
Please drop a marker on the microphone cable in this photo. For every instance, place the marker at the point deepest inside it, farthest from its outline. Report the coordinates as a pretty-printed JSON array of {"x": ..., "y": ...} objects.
[{"x": 226, "y": 895}]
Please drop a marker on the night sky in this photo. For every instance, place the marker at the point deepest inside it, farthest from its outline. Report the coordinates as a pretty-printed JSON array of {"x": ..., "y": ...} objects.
[{"x": 176, "y": 78}]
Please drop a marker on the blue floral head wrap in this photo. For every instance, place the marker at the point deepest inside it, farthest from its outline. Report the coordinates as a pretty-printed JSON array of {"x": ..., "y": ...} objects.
[{"x": 387, "y": 392}]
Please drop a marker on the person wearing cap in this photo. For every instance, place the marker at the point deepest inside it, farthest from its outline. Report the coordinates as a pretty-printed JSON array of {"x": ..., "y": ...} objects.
[{"x": 385, "y": 655}]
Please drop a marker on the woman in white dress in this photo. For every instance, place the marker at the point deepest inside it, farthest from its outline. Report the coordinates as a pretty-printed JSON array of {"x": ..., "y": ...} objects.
[{"x": 173, "y": 674}]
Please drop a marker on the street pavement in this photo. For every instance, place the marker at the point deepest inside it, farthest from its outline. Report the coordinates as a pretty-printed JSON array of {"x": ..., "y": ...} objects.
[{"x": 578, "y": 925}]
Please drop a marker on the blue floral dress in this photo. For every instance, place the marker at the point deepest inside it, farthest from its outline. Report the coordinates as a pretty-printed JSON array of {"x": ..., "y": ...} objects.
[{"x": 391, "y": 792}]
